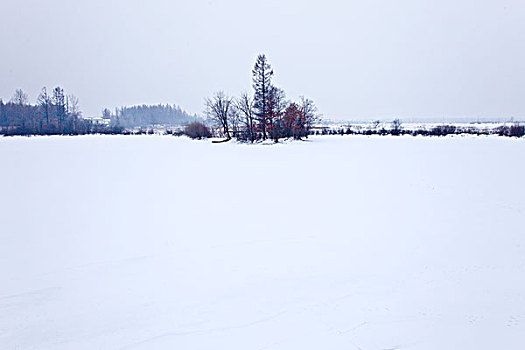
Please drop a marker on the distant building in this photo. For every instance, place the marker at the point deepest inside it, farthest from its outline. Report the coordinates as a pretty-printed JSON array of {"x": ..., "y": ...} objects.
[{"x": 99, "y": 120}]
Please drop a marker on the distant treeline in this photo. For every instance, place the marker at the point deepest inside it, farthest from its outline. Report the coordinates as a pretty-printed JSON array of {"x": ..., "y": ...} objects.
[
  {"x": 146, "y": 116},
  {"x": 515, "y": 130},
  {"x": 56, "y": 113},
  {"x": 53, "y": 114}
]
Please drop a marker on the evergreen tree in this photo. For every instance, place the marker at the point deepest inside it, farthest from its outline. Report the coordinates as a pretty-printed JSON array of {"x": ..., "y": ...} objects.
[
  {"x": 262, "y": 82},
  {"x": 59, "y": 101}
]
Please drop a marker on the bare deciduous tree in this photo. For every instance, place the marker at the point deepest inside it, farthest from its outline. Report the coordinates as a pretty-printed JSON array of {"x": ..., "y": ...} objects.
[
  {"x": 309, "y": 113},
  {"x": 74, "y": 107},
  {"x": 219, "y": 109},
  {"x": 244, "y": 106},
  {"x": 20, "y": 97}
]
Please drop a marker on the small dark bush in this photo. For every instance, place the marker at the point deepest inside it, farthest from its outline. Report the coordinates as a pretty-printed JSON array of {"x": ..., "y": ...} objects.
[
  {"x": 396, "y": 127},
  {"x": 443, "y": 130},
  {"x": 517, "y": 131},
  {"x": 512, "y": 131},
  {"x": 197, "y": 131}
]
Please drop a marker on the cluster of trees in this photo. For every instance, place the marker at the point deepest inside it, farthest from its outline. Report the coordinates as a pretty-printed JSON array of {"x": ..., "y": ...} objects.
[
  {"x": 265, "y": 115},
  {"x": 54, "y": 113},
  {"x": 146, "y": 116}
]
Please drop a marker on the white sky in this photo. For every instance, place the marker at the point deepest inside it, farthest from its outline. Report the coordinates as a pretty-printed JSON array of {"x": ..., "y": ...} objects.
[{"x": 355, "y": 59}]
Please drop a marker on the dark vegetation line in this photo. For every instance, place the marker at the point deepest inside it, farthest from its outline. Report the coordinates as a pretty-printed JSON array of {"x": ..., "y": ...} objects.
[{"x": 515, "y": 130}]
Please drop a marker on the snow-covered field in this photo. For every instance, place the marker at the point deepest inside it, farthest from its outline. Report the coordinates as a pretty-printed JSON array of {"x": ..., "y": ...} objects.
[{"x": 150, "y": 242}]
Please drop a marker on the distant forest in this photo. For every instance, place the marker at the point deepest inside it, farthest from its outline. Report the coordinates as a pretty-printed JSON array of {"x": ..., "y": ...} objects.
[
  {"x": 56, "y": 113},
  {"x": 53, "y": 114},
  {"x": 147, "y": 116}
]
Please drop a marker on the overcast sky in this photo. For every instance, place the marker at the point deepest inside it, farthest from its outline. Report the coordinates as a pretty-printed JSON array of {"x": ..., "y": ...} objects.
[{"x": 355, "y": 59}]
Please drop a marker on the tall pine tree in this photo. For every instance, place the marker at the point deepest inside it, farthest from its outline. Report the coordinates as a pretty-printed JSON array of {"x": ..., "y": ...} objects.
[
  {"x": 59, "y": 100},
  {"x": 262, "y": 82}
]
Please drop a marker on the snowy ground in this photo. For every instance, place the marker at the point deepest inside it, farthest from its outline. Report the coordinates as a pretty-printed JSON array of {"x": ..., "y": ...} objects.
[{"x": 149, "y": 242}]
